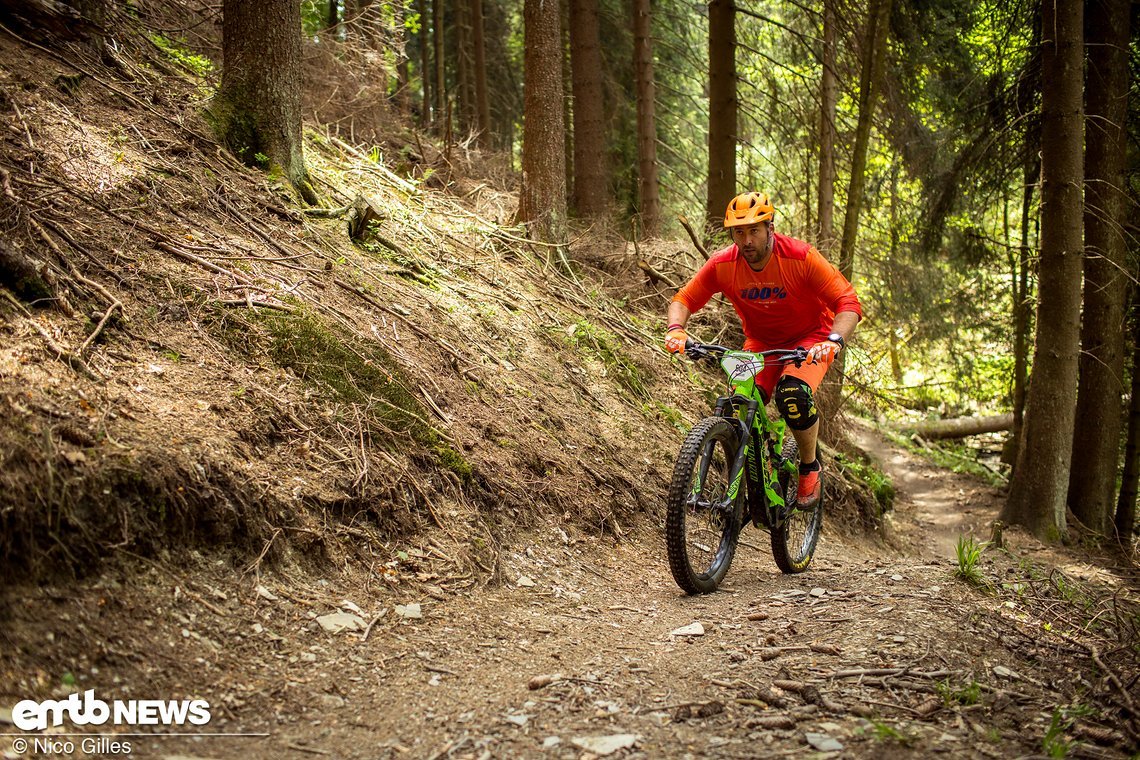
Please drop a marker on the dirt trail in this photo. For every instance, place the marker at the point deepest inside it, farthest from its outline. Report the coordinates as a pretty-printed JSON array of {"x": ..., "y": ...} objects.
[
  {"x": 938, "y": 507},
  {"x": 887, "y": 629}
]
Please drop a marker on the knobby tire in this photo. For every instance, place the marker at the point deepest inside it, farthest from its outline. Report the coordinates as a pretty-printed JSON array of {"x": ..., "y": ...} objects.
[
  {"x": 795, "y": 534},
  {"x": 714, "y": 439}
]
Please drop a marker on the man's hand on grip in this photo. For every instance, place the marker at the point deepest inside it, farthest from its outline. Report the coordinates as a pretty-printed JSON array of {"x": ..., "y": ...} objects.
[
  {"x": 824, "y": 351},
  {"x": 675, "y": 340}
]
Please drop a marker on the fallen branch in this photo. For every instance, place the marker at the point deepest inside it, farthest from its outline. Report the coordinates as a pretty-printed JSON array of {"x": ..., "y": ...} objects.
[
  {"x": 411, "y": 325},
  {"x": 654, "y": 275},
  {"x": 960, "y": 427},
  {"x": 99, "y": 327},
  {"x": 309, "y": 750},
  {"x": 73, "y": 361},
  {"x": 693, "y": 236},
  {"x": 326, "y": 213},
  {"x": 375, "y": 620},
  {"x": 201, "y": 262},
  {"x": 250, "y": 304},
  {"x": 875, "y": 672},
  {"x": 375, "y": 166}
]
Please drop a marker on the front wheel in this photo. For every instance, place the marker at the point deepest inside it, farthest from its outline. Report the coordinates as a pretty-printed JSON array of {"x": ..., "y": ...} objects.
[
  {"x": 702, "y": 521},
  {"x": 796, "y": 532}
]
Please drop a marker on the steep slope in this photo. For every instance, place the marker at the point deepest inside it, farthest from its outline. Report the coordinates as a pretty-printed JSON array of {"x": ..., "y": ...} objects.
[
  {"x": 201, "y": 362},
  {"x": 257, "y": 373}
]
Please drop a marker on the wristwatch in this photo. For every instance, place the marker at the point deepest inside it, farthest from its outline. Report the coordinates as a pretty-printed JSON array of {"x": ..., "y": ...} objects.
[{"x": 837, "y": 338}]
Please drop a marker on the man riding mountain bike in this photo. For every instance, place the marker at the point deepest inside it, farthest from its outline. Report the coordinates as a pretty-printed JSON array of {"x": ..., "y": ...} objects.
[{"x": 787, "y": 296}]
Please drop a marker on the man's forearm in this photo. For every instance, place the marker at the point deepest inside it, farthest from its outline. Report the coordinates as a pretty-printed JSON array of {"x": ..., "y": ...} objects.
[
  {"x": 844, "y": 324},
  {"x": 678, "y": 314}
]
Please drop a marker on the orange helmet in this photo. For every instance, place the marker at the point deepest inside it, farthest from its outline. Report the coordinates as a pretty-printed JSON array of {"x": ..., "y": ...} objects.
[{"x": 749, "y": 208}]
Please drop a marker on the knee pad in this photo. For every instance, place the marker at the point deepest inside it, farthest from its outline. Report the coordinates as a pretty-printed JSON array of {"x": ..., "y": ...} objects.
[{"x": 796, "y": 404}]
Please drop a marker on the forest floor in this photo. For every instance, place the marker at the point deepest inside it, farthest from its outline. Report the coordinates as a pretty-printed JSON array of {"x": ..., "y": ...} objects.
[{"x": 875, "y": 651}]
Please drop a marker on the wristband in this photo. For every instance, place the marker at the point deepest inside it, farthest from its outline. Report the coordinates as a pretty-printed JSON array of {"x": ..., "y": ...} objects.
[{"x": 675, "y": 327}]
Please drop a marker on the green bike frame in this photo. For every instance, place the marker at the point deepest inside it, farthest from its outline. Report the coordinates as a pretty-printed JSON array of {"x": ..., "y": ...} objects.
[{"x": 761, "y": 439}]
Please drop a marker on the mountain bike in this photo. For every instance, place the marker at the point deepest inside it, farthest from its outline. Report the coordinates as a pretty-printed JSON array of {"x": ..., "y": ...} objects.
[{"x": 737, "y": 457}]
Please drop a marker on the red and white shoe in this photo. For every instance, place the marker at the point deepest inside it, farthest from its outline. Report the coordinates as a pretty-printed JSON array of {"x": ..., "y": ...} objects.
[{"x": 809, "y": 490}]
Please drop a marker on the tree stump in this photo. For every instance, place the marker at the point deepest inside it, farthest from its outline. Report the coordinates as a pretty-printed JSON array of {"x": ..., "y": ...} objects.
[{"x": 360, "y": 218}]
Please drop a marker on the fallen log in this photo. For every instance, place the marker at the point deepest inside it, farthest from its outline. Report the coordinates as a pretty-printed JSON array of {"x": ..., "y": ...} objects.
[
  {"x": 960, "y": 427},
  {"x": 21, "y": 275}
]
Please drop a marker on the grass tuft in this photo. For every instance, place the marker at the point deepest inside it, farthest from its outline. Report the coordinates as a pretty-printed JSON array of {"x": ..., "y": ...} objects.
[
  {"x": 969, "y": 552},
  {"x": 879, "y": 483}
]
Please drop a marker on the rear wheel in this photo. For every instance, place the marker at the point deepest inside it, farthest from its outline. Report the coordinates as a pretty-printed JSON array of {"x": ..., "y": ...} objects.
[
  {"x": 796, "y": 531},
  {"x": 702, "y": 524}
]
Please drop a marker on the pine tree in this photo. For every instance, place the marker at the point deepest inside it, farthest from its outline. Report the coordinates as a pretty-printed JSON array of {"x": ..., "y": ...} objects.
[
  {"x": 542, "y": 201},
  {"x": 1092, "y": 484},
  {"x": 592, "y": 196},
  {"x": 649, "y": 200},
  {"x": 722, "y": 108},
  {"x": 257, "y": 109},
  {"x": 1041, "y": 478}
]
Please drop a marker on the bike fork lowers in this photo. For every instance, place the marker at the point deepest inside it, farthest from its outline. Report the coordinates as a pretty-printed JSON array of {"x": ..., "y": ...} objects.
[{"x": 740, "y": 465}]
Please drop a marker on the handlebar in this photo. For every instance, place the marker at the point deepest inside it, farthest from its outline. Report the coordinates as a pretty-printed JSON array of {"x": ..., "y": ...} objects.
[{"x": 710, "y": 351}]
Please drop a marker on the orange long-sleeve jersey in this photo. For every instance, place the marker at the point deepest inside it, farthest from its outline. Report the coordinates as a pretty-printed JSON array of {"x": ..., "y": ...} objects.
[{"x": 795, "y": 296}]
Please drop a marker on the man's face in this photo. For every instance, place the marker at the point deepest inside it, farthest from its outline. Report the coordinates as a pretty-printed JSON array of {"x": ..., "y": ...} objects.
[{"x": 752, "y": 241}]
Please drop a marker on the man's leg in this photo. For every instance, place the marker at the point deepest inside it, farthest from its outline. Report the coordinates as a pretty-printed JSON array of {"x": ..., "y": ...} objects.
[
  {"x": 806, "y": 439},
  {"x": 795, "y": 399},
  {"x": 796, "y": 403}
]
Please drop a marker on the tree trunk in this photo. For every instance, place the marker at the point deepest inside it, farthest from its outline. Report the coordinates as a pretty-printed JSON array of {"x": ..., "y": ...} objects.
[
  {"x": 542, "y": 201},
  {"x": 439, "y": 93},
  {"x": 482, "y": 101},
  {"x": 361, "y": 19},
  {"x": 464, "y": 84},
  {"x": 1040, "y": 481},
  {"x": 1092, "y": 482},
  {"x": 46, "y": 19},
  {"x": 257, "y": 109},
  {"x": 648, "y": 191},
  {"x": 425, "y": 65},
  {"x": 1125, "y": 522},
  {"x": 874, "y": 58},
  {"x": 960, "y": 427},
  {"x": 591, "y": 183},
  {"x": 22, "y": 276},
  {"x": 94, "y": 11},
  {"x": 567, "y": 100},
  {"x": 1021, "y": 308},
  {"x": 722, "y": 109},
  {"x": 893, "y": 349},
  {"x": 828, "y": 96},
  {"x": 403, "y": 99}
]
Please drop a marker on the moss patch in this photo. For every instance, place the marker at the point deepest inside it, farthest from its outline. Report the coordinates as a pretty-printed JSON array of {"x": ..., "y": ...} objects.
[
  {"x": 600, "y": 344},
  {"x": 174, "y": 50},
  {"x": 347, "y": 370},
  {"x": 356, "y": 375}
]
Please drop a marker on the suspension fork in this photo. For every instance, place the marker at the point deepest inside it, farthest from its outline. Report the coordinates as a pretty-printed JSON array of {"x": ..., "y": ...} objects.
[
  {"x": 765, "y": 497},
  {"x": 744, "y": 426}
]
